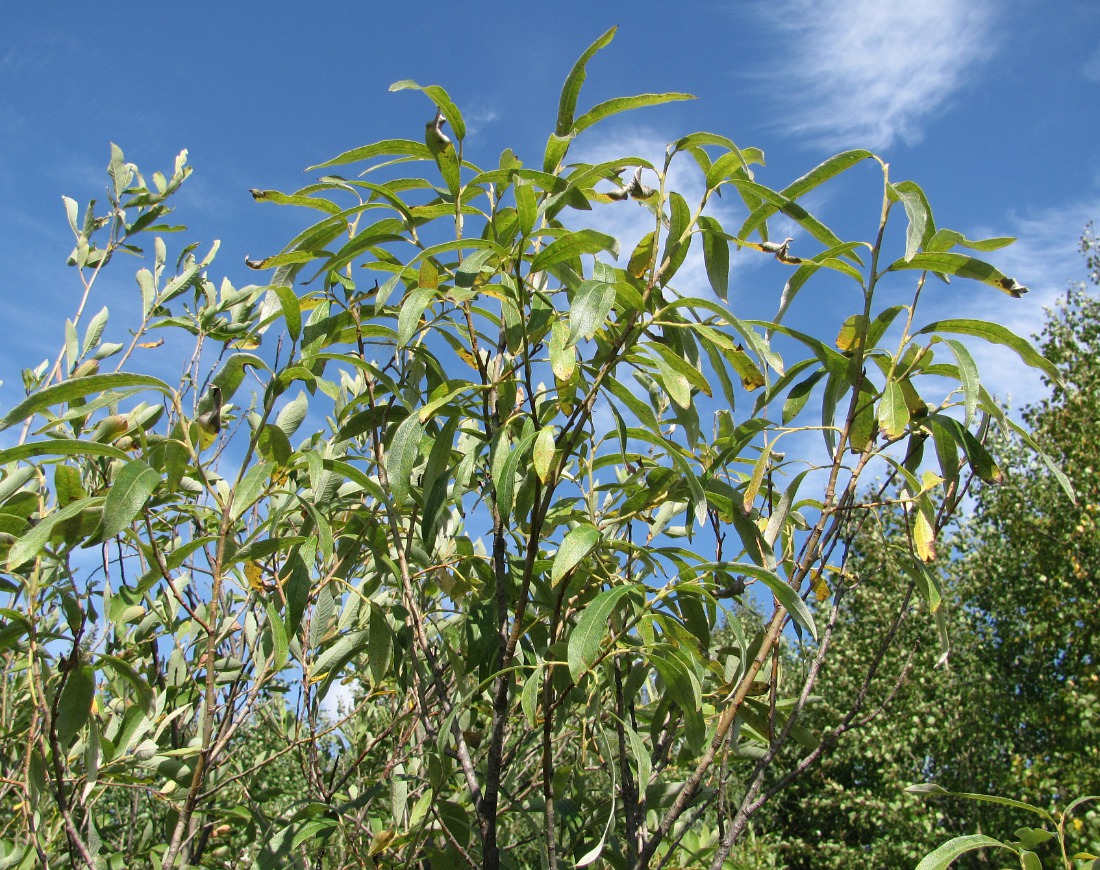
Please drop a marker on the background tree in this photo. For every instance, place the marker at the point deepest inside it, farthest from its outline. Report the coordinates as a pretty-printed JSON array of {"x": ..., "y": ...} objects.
[
  {"x": 454, "y": 453},
  {"x": 1015, "y": 711}
]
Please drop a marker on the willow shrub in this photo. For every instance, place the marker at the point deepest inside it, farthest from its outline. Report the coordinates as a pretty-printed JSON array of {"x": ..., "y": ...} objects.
[{"x": 467, "y": 459}]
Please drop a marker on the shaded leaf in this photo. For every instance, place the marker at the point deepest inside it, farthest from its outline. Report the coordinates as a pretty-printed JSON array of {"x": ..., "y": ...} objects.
[
  {"x": 587, "y": 637},
  {"x": 75, "y": 704}
]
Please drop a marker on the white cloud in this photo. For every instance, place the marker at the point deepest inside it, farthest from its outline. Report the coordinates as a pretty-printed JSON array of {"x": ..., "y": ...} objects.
[{"x": 870, "y": 71}]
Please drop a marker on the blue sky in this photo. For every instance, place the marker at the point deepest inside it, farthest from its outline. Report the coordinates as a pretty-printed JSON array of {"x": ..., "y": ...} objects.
[{"x": 990, "y": 105}]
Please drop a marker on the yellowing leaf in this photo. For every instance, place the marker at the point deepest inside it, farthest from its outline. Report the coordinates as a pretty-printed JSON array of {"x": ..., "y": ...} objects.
[
  {"x": 821, "y": 588},
  {"x": 924, "y": 534},
  {"x": 542, "y": 454},
  {"x": 848, "y": 339},
  {"x": 642, "y": 257},
  {"x": 429, "y": 275},
  {"x": 253, "y": 573}
]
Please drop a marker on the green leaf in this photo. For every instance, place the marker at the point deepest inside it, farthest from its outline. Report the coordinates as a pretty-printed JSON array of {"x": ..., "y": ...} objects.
[
  {"x": 642, "y": 258},
  {"x": 386, "y": 148},
  {"x": 968, "y": 376},
  {"x": 292, "y": 310},
  {"x": 567, "y": 104},
  {"x": 592, "y": 303},
  {"x": 624, "y": 104},
  {"x": 818, "y": 175},
  {"x": 587, "y": 637},
  {"x": 94, "y": 332},
  {"x": 328, "y": 665},
  {"x": 279, "y": 642},
  {"x": 784, "y": 594},
  {"x": 412, "y": 310},
  {"x": 577, "y": 544},
  {"x": 129, "y": 491},
  {"x": 893, "y": 413},
  {"x": 28, "y": 546},
  {"x": 934, "y": 790},
  {"x": 77, "y": 389},
  {"x": 945, "y": 240},
  {"x": 676, "y": 243},
  {"x": 681, "y": 683},
  {"x": 921, "y": 226},
  {"x": 679, "y": 375},
  {"x": 996, "y": 334},
  {"x": 529, "y": 697},
  {"x": 716, "y": 256},
  {"x": 251, "y": 486},
  {"x": 442, "y": 101},
  {"x": 379, "y": 647},
  {"x": 125, "y": 670},
  {"x": 61, "y": 447},
  {"x": 799, "y": 396},
  {"x": 642, "y": 758},
  {"x": 75, "y": 704},
  {"x": 572, "y": 245},
  {"x": 401, "y": 456},
  {"x": 946, "y": 854},
  {"x": 325, "y": 205},
  {"x": 963, "y": 267},
  {"x": 504, "y": 474},
  {"x": 292, "y": 414}
]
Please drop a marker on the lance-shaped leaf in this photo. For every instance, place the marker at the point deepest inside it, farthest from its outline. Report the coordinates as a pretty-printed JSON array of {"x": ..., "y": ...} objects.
[
  {"x": 567, "y": 104},
  {"x": 592, "y": 303},
  {"x": 921, "y": 225},
  {"x": 528, "y": 699},
  {"x": 542, "y": 455},
  {"x": 75, "y": 704},
  {"x": 77, "y": 388},
  {"x": 815, "y": 177},
  {"x": 946, "y": 854},
  {"x": 784, "y": 594},
  {"x": 401, "y": 457},
  {"x": 385, "y": 148},
  {"x": 961, "y": 266},
  {"x": 246, "y": 493},
  {"x": 61, "y": 447},
  {"x": 624, "y": 104},
  {"x": 29, "y": 545},
  {"x": 716, "y": 256},
  {"x": 587, "y": 637},
  {"x": 893, "y": 413},
  {"x": 572, "y": 245},
  {"x": 642, "y": 257},
  {"x": 129, "y": 491},
  {"x": 577, "y": 544},
  {"x": 997, "y": 334}
]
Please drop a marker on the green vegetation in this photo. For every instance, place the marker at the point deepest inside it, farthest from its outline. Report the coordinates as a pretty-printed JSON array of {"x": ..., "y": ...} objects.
[{"x": 457, "y": 464}]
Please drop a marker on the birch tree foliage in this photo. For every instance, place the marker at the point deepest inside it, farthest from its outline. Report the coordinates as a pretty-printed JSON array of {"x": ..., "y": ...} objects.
[{"x": 539, "y": 505}]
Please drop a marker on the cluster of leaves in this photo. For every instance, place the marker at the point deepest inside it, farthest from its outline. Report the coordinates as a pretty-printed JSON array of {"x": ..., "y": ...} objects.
[{"x": 456, "y": 457}]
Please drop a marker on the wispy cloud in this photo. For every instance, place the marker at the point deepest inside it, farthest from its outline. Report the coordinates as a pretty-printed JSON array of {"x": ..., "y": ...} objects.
[{"x": 872, "y": 72}]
